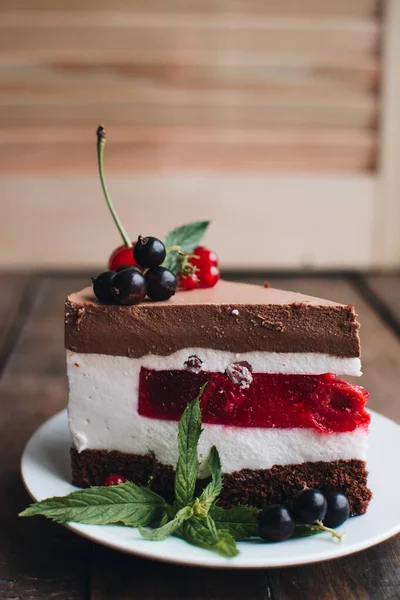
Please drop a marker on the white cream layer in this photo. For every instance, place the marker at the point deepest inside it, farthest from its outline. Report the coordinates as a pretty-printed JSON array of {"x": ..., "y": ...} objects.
[
  {"x": 103, "y": 393},
  {"x": 293, "y": 363}
]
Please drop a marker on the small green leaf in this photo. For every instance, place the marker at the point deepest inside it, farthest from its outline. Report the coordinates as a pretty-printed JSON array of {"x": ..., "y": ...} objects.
[
  {"x": 187, "y": 236},
  {"x": 200, "y": 531},
  {"x": 161, "y": 533},
  {"x": 187, "y": 467},
  {"x": 173, "y": 262},
  {"x": 126, "y": 503},
  {"x": 226, "y": 545},
  {"x": 213, "y": 489},
  {"x": 203, "y": 532},
  {"x": 241, "y": 521},
  {"x": 305, "y": 531}
]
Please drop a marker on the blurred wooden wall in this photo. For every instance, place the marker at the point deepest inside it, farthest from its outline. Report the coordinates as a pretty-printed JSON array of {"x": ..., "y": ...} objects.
[
  {"x": 275, "y": 118},
  {"x": 249, "y": 85}
]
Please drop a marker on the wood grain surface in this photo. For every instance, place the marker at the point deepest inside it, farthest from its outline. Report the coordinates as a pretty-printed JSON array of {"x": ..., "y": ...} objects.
[
  {"x": 264, "y": 68},
  {"x": 41, "y": 560}
]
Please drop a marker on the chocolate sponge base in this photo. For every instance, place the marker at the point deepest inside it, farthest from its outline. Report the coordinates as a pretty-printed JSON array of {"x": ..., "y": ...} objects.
[{"x": 254, "y": 487}]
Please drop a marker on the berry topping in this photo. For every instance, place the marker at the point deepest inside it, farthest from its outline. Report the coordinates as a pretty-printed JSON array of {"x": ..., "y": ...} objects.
[
  {"x": 114, "y": 479},
  {"x": 338, "y": 509},
  {"x": 102, "y": 286},
  {"x": 194, "y": 363},
  {"x": 189, "y": 282},
  {"x": 161, "y": 283},
  {"x": 149, "y": 252},
  {"x": 275, "y": 523},
  {"x": 240, "y": 374},
  {"x": 129, "y": 287},
  {"x": 204, "y": 257},
  {"x": 208, "y": 276},
  {"x": 121, "y": 257},
  {"x": 309, "y": 506},
  {"x": 123, "y": 267}
]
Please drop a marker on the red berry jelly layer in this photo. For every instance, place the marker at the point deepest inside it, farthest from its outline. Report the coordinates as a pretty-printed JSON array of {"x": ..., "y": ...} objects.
[{"x": 322, "y": 402}]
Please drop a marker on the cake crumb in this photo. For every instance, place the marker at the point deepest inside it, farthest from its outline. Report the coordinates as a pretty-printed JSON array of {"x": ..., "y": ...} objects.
[
  {"x": 79, "y": 315},
  {"x": 240, "y": 374},
  {"x": 267, "y": 284},
  {"x": 271, "y": 325},
  {"x": 77, "y": 364},
  {"x": 193, "y": 363}
]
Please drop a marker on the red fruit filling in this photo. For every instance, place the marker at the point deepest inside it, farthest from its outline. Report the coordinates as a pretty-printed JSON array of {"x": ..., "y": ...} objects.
[{"x": 322, "y": 402}]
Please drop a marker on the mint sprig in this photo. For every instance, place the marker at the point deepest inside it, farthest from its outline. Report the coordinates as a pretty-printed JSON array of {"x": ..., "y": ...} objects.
[
  {"x": 213, "y": 489},
  {"x": 126, "y": 503},
  {"x": 198, "y": 520},
  {"x": 188, "y": 236},
  {"x": 241, "y": 521},
  {"x": 161, "y": 533},
  {"x": 180, "y": 243},
  {"x": 202, "y": 532},
  {"x": 187, "y": 468}
]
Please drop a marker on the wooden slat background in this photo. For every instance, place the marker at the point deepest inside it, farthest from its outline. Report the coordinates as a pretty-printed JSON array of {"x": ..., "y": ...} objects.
[{"x": 190, "y": 84}]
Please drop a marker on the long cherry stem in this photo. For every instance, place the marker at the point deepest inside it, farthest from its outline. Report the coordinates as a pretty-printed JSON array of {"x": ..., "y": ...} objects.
[{"x": 101, "y": 142}]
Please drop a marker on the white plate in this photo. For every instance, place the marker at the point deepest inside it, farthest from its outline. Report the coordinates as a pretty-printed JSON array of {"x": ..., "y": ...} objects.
[{"x": 46, "y": 472}]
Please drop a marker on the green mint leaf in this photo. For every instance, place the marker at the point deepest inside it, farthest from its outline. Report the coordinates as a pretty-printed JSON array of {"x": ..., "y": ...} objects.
[
  {"x": 241, "y": 521},
  {"x": 126, "y": 503},
  {"x": 173, "y": 262},
  {"x": 187, "y": 236},
  {"x": 305, "y": 531},
  {"x": 213, "y": 489},
  {"x": 226, "y": 545},
  {"x": 187, "y": 467},
  {"x": 203, "y": 532},
  {"x": 161, "y": 533}
]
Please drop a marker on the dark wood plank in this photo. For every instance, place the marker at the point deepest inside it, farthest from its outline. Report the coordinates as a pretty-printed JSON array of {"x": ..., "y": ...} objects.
[
  {"x": 121, "y": 577},
  {"x": 14, "y": 303},
  {"x": 386, "y": 293},
  {"x": 370, "y": 575},
  {"x": 38, "y": 559}
]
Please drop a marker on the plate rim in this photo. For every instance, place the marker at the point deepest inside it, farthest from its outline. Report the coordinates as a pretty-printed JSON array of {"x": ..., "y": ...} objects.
[{"x": 216, "y": 562}]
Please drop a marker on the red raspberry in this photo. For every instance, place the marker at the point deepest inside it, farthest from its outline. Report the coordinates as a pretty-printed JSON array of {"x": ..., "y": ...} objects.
[
  {"x": 208, "y": 276},
  {"x": 189, "y": 282},
  {"x": 205, "y": 257}
]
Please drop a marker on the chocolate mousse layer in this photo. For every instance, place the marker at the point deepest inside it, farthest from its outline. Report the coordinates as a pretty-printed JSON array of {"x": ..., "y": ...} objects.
[
  {"x": 253, "y": 487},
  {"x": 231, "y": 316}
]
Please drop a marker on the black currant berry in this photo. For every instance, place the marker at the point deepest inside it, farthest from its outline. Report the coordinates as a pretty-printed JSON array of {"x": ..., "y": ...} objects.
[
  {"x": 275, "y": 523},
  {"x": 309, "y": 506},
  {"x": 338, "y": 509},
  {"x": 123, "y": 267},
  {"x": 129, "y": 287},
  {"x": 149, "y": 252},
  {"x": 161, "y": 283},
  {"x": 102, "y": 287}
]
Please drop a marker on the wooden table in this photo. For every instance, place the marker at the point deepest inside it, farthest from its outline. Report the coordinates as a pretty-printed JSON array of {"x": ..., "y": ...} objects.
[{"x": 42, "y": 560}]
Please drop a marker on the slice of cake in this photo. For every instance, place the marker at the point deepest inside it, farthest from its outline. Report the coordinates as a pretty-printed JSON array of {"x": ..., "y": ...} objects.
[{"x": 272, "y": 404}]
